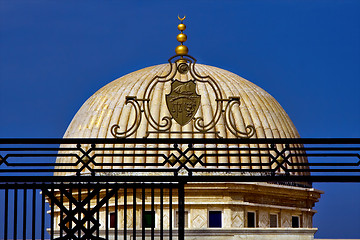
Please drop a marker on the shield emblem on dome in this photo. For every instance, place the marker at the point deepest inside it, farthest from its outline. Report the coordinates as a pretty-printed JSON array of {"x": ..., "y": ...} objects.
[{"x": 183, "y": 102}]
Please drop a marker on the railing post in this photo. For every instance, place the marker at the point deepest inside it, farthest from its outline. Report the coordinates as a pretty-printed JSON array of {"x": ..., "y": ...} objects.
[{"x": 181, "y": 210}]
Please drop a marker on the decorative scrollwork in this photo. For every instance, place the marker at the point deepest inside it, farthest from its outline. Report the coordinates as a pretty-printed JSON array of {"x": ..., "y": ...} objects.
[
  {"x": 189, "y": 100},
  {"x": 119, "y": 133},
  {"x": 183, "y": 68},
  {"x": 230, "y": 124}
]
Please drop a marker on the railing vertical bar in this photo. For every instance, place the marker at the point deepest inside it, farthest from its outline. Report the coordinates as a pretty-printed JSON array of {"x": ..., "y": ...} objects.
[
  {"x": 79, "y": 214},
  {"x": 61, "y": 213},
  {"x": 42, "y": 215},
  {"x": 15, "y": 211},
  {"x": 134, "y": 212},
  {"x": 33, "y": 213},
  {"x": 107, "y": 213},
  {"x": 143, "y": 211},
  {"x": 24, "y": 211},
  {"x": 125, "y": 211},
  {"x": 70, "y": 204},
  {"x": 98, "y": 213},
  {"x": 181, "y": 209},
  {"x": 52, "y": 214},
  {"x": 116, "y": 210},
  {"x": 6, "y": 212},
  {"x": 161, "y": 212},
  {"x": 88, "y": 211},
  {"x": 170, "y": 211},
  {"x": 152, "y": 211}
]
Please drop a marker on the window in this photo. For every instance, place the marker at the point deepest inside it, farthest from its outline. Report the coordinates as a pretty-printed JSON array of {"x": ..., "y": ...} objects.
[
  {"x": 251, "y": 219},
  {"x": 149, "y": 219},
  {"x": 214, "y": 219},
  {"x": 295, "y": 221},
  {"x": 273, "y": 220},
  {"x": 186, "y": 219},
  {"x": 112, "y": 220}
]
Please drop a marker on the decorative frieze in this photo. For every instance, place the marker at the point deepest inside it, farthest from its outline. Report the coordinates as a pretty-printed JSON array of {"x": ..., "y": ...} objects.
[
  {"x": 237, "y": 217},
  {"x": 264, "y": 218},
  {"x": 285, "y": 219},
  {"x": 198, "y": 218}
]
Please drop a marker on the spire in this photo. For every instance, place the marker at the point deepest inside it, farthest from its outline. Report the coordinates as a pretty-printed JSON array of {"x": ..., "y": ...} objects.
[{"x": 181, "y": 37}]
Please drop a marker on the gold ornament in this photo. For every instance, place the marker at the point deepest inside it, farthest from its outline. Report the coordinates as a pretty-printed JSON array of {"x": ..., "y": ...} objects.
[
  {"x": 181, "y": 27},
  {"x": 181, "y": 19},
  {"x": 181, "y": 50},
  {"x": 181, "y": 37}
]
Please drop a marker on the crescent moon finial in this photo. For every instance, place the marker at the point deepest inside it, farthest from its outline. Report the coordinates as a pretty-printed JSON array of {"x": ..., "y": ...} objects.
[{"x": 181, "y": 19}]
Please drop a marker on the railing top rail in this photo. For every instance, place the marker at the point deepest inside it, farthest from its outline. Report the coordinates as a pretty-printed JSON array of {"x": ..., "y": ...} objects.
[
  {"x": 179, "y": 141},
  {"x": 174, "y": 179},
  {"x": 297, "y": 159}
]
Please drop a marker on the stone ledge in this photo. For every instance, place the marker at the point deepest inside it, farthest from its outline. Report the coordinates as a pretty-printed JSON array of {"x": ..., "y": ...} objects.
[
  {"x": 233, "y": 231},
  {"x": 224, "y": 234}
]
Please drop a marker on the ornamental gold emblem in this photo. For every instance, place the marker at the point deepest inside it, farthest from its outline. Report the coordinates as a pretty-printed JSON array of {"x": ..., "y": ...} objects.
[{"x": 183, "y": 102}]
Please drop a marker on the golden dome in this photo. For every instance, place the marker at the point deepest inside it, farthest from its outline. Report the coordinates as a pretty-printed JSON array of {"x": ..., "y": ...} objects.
[{"x": 108, "y": 107}]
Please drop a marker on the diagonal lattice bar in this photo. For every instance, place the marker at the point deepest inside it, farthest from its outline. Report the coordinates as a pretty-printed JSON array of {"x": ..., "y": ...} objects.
[{"x": 79, "y": 210}]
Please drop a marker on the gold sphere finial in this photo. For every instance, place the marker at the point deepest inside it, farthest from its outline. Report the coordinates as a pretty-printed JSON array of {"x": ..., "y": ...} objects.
[
  {"x": 181, "y": 50},
  {"x": 181, "y": 27},
  {"x": 181, "y": 37}
]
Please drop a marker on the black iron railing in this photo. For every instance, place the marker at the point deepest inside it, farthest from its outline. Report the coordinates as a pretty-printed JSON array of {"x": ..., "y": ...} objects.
[
  {"x": 189, "y": 159},
  {"x": 75, "y": 178}
]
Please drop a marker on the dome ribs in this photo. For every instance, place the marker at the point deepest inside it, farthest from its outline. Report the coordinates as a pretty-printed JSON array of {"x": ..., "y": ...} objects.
[
  {"x": 221, "y": 124},
  {"x": 258, "y": 108},
  {"x": 207, "y": 116}
]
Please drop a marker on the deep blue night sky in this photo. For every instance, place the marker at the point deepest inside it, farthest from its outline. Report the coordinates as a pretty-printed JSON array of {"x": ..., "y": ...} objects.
[{"x": 306, "y": 53}]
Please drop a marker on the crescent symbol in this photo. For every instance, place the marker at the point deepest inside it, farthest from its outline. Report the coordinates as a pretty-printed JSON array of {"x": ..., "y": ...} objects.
[{"x": 181, "y": 19}]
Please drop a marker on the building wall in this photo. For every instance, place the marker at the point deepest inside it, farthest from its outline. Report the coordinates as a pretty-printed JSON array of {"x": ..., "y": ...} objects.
[{"x": 234, "y": 201}]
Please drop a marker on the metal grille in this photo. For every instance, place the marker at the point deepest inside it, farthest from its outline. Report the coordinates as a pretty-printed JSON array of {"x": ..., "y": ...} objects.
[
  {"x": 335, "y": 159},
  {"x": 83, "y": 210},
  {"x": 38, "y": 203}
]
